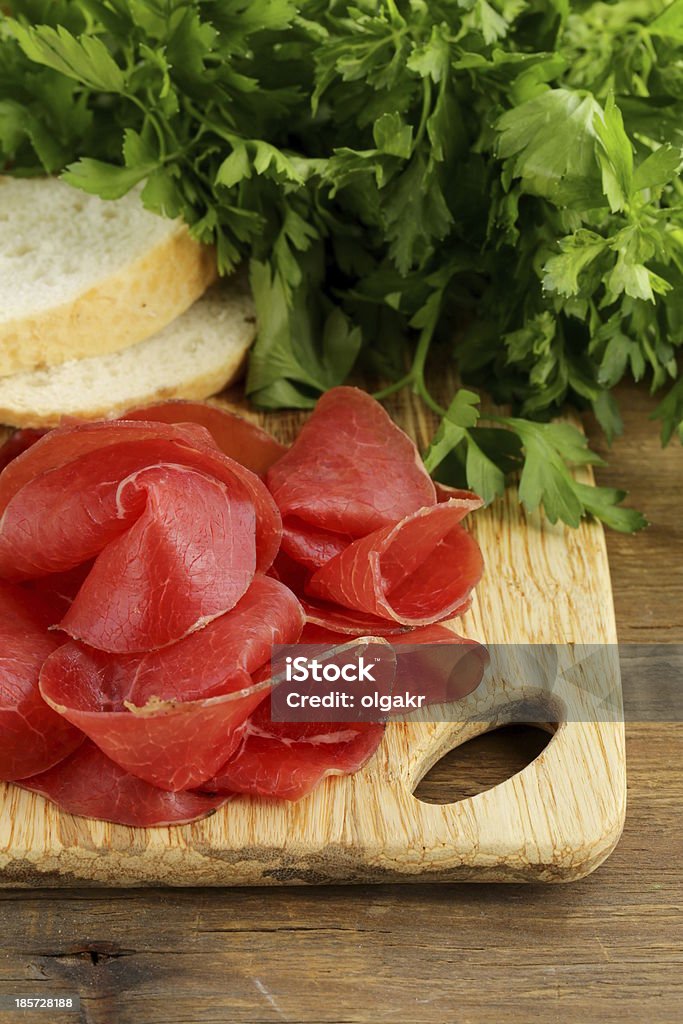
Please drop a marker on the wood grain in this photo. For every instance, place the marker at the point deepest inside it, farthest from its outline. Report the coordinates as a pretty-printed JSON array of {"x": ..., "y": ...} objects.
[
  {"x": 556, "y": 820},
  {"x": 607, "y": 948}
]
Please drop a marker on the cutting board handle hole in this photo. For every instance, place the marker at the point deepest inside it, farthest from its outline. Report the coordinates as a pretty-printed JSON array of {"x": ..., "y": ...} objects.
[{"x": 483, "y": 762}]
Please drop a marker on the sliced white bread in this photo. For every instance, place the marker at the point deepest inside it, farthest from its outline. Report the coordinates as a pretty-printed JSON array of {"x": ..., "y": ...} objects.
[
  {"x": 82, "y": 276},
  {"x": 193, "y": 357}
]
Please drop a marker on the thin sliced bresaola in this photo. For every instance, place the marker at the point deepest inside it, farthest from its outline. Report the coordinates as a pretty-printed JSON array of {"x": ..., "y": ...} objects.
[
  {"x": 66, "y": 516},
  {"x": 89, "y": 784},
  {"x": 174, "y": 715},
  {"x": 17, "y": 443},
  {"x": 421, "y": 667},
  {"x": 188, "y": 556},
  {"x": 327, "y": 615},
  {"x": 287, "y": 760},
  {"x": 348, "y": 623},
  {"x": 416, "y": 572},
  {"x": 59, "y": 589},
  {"x": 33, "y": 736},
  {"x": 350, "y": 471},
  {"x": 237, "y": 437},
  {"x": 40, "y": 490}
]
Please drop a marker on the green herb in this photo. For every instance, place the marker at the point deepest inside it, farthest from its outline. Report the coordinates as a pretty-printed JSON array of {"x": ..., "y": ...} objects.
[{"x": 493, "y": 179}]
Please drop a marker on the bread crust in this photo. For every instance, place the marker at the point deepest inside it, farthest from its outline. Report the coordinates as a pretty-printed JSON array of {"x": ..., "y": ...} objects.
[
  {"x": 203, "y": 385},
  {"x": 125, "y": 308}
]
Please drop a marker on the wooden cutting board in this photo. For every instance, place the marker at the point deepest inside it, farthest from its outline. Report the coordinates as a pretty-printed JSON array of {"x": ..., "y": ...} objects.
[{"x": 556, "y": 820}]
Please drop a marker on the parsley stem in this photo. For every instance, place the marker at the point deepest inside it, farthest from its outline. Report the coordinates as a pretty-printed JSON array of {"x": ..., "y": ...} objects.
[
  {"x": 426, "y": 110},
  {"x": 416, "y": 374},
  {"x": 152, "y": 119},
  {"x": 391, "y": 389},
  {"x": 209, "y": 125},
  {"x": 422, "y": 390},
  {"x": 422, "y": 350}
]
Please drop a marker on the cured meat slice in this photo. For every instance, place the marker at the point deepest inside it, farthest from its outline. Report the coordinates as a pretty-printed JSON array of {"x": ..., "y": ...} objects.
[
  {"x": 175, "y": 569},
  {"x": 67, "y": 516},
  {"x": 315, "y": 633},
  {"x": 65, "y": 444},
  {"x": 237, "y": 437},
  {"x": 171, "y": 744},
  {"x": 350, "y": 471},
  {"x": 418, "y": 571},
  {"x": 311, "y": 546},
  {"x": 17, "y": 443},
  {"x": 173, "y": 716},
  {"x": 287, "y": 760},
  {"x": 48, "y": 480},
  {"x": 59, "y": 589},
  {"x": 420, "y": 666},
  {"x": 343, "y": 622},
  {"x": 331, "y": 616},
  {"x": 207, "y": 663},
  {"x": 444, "y": 492},
  {"x": 34, "y": 737},
  {"x": 89, "y": 784}
]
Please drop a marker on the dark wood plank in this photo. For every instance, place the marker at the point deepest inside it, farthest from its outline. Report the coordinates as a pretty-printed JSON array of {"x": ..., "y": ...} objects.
[{"x": 609, "y": 948}]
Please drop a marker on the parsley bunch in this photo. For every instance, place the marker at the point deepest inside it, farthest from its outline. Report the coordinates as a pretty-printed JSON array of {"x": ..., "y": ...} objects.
[{"x": 493, "y": 178}]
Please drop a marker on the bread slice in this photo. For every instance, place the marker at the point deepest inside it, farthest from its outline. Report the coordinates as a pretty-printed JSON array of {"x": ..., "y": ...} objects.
[
  {"x": 194, "y": 357},
  {"x": 81, "y": 276}
]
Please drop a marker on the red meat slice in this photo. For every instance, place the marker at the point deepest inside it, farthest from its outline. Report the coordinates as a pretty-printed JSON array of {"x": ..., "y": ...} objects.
[
  {"x": 444, "y": 492},
  {"x": 49, "y": 480},
  {"x": 34, "y": 737},
  {"x": 235, "y": 436},
  {"x": 173, "y": 716},
  {"x": 416, "y": 572},
  {"x": 350, "y": 471},
  {"x": 331, "y": 616},
  {"x": 188, "y": 557},
  {"x": 311, "y": 546},
  {"x": 419, "y": 666},
  {"x": 59, "y": 589},
  {"x": 17, "y": 443},
  {"x": 314, "y": 633},
  {"x": 347, "y": 623},
  {"x": 91, "y": 785},
  {"x": 287, "y": 760}
]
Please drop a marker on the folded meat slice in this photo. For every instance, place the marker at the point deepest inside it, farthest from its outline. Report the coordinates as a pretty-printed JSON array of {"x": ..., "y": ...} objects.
[
  {"x": 343, "y": 622},
  {"x": 41, "y": 490},
  {"x": 422, "y": 666},
  {"x": 89, "y": 784},
  {"x": 188, "y": 556},
  {"x": 314, "y": 633},
  {"x": 174, "y": 715},
  {"x": 418, "y": 571},
  {"x": 311, "y": 546},
  {"x": 17, "y": 442},
  {"x": 322, "y": 613},
  {"x": 237, "y": 437},
  {"x": 287, "y": 760},
  {"x": 34, "y": 737},
  {"x": 59, "y": 589},
  {"x": 350, "y": 471}
]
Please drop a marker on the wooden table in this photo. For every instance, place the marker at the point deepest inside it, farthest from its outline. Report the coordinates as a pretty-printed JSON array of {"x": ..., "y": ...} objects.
[{"x": 609, "y": 948}]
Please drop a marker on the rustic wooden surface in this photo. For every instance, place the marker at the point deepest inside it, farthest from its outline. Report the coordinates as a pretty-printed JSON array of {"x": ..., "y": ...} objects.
[
  {"x": 608, "y": 948},
  {"x": 555, "y": 821}
]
